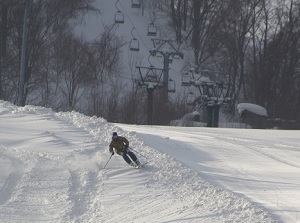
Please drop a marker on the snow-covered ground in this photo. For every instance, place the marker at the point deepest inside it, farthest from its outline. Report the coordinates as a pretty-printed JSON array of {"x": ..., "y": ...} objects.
[{"x": 51, "y": 170}]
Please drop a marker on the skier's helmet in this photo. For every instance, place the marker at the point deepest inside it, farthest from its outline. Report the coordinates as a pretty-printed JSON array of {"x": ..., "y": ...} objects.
[{"x": 114, "y": 135}]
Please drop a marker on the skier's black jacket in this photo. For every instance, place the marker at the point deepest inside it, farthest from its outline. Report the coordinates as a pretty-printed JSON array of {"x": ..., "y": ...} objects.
[{"x": 119, "y": 144}]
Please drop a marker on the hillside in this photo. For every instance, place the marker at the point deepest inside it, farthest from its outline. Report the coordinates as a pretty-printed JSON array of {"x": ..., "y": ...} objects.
[{"x": 135, "y": 26}]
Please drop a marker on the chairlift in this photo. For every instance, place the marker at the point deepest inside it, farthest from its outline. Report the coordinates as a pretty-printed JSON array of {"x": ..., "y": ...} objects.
[
  {"x": 151, "y": 67},
  {"x": 176, "y": 56},
  {"x": 206, "y": 73},
  {"x": 134, "y": 45},
  {"x": 226, "y": 108},
  {"x": 227, "y": 100},
  {"x": 171, "y": 86},
  {"x": 190, "y": 98},
  {"x": 186, "y": 79},
  {"x": 158, "y": 54},
  {"x": 135, "y": 4},
  {"x": 119, "y": 17},
  {"x": 151, "y": 77},
  {"x": 152, "y": 30},
  {"x": 171, "y": 59}
]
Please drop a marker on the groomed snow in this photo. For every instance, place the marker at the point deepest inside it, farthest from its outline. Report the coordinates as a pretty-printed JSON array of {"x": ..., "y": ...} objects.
[{"x": 51, "y": 170}]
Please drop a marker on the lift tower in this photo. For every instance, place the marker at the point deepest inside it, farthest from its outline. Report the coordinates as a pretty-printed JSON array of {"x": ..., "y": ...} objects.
[{"x": 167, "y": 49}]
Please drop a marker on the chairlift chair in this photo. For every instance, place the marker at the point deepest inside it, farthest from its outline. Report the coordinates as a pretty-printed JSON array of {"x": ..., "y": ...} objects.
[
  {"x": 186, "y": 79},
  {"x": 151, "y": 78},
  {"x": 119, "y": 17},
  {"x": 176, "y": 56},
  {"x": 171, "y": 86},
  {"x": 151, "y": 67},
  {"x": 226, "y": 107},
  {"x": 134, "y": 45},
  {"x": 135, "y": 4},
  {"x": 158, "y": 54},
  {"x": 206, "y": 73},
  {"x": 190, "y": 98},
  {"x": 152, "y": 30},
  {"x": 170, "y": 59},
  {"x": 151, "y": 75}
]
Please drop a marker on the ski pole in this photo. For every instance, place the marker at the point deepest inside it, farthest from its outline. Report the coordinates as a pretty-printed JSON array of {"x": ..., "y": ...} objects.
[
  {"x": 108, "y": 161},
  {"x": 138, "y": 153}
]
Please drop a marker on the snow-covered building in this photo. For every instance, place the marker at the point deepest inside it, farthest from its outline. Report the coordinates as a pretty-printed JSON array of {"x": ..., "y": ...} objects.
[{"x": 253, "y": 115}]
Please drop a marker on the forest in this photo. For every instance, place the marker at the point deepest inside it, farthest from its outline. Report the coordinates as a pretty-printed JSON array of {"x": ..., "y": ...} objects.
[{"x": 252, "y": 45}]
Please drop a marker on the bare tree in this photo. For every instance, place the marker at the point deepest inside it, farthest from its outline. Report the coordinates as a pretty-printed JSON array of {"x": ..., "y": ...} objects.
[
  {"x": 106, "y": 66},
  {"x": 8, "y": 58},
  {"x": 278, "y": 62},
  {"x": 75, "y": 71},
  {"x": 237, "y": 29},
  {"x": 205, "y": 25},
  {"x": 177, "y": 17},
  {"x": 47, "y": 19}
]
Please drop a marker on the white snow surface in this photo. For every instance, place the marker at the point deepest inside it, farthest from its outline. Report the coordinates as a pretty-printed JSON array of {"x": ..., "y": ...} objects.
[{"x": 51, "y": 170}]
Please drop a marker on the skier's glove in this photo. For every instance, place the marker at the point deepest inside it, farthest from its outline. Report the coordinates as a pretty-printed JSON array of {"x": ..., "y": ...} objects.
[{"x": 112, "y": 153}]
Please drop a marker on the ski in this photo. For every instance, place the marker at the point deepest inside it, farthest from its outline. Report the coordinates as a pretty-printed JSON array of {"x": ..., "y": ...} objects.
[
  {"x": 141, "y": 165},
  {"x": 137, "y": 166}
]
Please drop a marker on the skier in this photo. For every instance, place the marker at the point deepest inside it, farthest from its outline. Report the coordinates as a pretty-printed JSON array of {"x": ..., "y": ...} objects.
[{"x": 120, "y": 145}]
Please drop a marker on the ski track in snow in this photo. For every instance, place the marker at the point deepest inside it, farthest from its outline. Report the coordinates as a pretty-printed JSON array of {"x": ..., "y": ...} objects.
[
  {"x": 12, "y": 178},
  {"x": 52, "y": 171}
]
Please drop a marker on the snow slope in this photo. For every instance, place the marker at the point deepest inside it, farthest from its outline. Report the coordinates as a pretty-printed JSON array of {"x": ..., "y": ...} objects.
[
  {"x": 51, "y": 170},
  {"x": 260, "y": 165}
]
